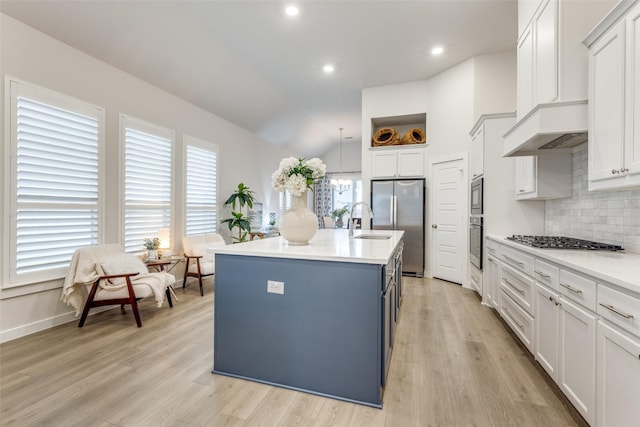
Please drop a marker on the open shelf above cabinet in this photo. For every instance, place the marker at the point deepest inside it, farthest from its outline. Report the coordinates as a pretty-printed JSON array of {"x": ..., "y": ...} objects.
[{"x": 402, "y": 124}]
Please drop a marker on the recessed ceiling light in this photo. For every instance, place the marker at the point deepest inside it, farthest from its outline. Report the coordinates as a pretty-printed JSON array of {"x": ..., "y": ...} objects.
[
  {"x": 291, "y": 10},
  {"x": 437, "y": 50},
  {"x": 328, "y": 68}
]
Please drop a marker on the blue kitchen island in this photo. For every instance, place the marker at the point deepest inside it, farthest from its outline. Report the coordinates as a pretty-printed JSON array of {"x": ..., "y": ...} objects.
[{"x": 316, "y": 318}]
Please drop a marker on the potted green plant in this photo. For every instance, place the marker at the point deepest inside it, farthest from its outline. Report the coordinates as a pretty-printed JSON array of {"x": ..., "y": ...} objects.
[
  {"x": 337, "y": 215},
  {"x": 241, "y": 197},
  {"x": 151, "y": 245}
]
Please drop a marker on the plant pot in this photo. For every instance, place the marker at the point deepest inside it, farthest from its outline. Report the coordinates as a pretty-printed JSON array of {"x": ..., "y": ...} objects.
[
  {"x": 339, "y": 223},
  {"x": 152, "y": 254},
  {"x": 299, "y": 224}
]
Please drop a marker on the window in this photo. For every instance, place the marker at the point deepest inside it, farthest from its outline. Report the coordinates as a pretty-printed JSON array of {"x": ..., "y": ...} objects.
[
  {"x": 284, "y": 202},
  {"x": 148, "y": 177},
  {"x": 55, "y": 174},
  {"x": 201, "y": 186},
  {"x": 350, "y": 197}
]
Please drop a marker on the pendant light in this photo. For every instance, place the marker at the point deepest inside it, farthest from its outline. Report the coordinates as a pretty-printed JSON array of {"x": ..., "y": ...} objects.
[{"x": 341, "y": 185}]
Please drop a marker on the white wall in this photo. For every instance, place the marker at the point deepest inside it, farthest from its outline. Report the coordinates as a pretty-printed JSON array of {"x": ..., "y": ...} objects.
[
  {"x": 386, "y": 101},
  {"x": 351, "y": 157},
  {"x": 450, "y": 110},
  {"x": 494, "y": 84},
  {"x": 453, "y": 100},
  {"x": 36, "y": 58}
]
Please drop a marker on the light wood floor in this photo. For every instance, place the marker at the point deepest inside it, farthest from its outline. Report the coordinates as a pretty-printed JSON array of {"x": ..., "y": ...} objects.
[{"x": 454, "y": 364}]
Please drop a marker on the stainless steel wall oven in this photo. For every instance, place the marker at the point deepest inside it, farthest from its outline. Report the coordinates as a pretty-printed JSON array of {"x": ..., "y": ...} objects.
[
  {"x": 475, "y": 241},
  {"x": 476, "y": 196}
]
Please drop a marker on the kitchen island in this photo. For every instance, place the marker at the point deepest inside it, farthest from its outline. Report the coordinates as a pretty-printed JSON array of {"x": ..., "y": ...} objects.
[{"x": 314, "y": 318}]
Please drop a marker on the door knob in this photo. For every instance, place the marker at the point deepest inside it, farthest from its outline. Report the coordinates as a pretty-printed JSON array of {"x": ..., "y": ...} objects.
[{"x": 434, "y": 225}]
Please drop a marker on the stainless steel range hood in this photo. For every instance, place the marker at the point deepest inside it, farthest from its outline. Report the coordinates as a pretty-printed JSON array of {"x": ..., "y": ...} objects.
[{"x": 555, "y": 126}]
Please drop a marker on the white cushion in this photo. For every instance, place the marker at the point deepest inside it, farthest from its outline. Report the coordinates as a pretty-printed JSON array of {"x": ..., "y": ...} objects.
[
  {"x": 207, "y": 266},
  {"x": 140, "y": 291},
  {"x": 122, "y": 264}
]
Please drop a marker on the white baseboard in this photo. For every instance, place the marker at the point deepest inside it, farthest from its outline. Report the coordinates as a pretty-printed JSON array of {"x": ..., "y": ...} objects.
[{"x": 41, "y": 325}]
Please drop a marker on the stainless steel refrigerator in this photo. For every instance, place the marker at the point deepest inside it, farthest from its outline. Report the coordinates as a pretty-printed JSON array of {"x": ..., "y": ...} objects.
[{"x": 399, "y": 205}]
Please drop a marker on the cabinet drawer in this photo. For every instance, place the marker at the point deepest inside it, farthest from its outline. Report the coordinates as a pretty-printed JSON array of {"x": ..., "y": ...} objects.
[
  {"x": 546, "y": 273},
  {"x": 578, "y": 288},
  {"x": 517, "y": 259},
  {"x": 520, "y": 321},
  {"x": 619, "y": 308},
  {"x": 517, "y": 286},
  {"x": 493, "y": 248},
  {"x": 475, "y": 277}
]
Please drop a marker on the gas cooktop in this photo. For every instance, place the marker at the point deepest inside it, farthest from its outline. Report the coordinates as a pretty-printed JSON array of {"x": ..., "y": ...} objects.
[{"x": 560, "y": 242}]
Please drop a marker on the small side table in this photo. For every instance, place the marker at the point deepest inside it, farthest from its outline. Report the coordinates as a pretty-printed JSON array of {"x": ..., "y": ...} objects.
[{"x": 166, "y": 264}]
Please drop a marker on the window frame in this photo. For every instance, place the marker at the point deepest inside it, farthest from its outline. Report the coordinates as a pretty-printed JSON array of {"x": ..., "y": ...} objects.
[
  {"x": 125, "y": 122},
  {"x": 187, "y": 141},
  {"x": 15, "y": 88}
]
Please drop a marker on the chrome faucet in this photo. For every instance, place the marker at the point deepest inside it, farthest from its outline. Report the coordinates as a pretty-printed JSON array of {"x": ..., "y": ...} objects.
[{"x": 351, "y": 215}]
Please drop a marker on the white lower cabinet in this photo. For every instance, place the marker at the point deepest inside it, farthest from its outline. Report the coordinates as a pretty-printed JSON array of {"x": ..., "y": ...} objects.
[
  {"x": 583, "y": 332},
  {"x": 490, "y": 286},
  {"x": 578, "y": 357},
  {"x": 547, "y": 320},
  {"x": 618, "y": 377},
  {"x": 519, "y": 320}
]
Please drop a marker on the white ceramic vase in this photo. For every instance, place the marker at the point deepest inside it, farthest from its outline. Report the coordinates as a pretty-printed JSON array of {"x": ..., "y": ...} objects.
[
  {"x": 152, "y": 254},
  {"x": 299, "y": 224}
]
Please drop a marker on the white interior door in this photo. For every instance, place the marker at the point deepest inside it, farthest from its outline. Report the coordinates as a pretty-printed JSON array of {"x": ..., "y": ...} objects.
[{"x": 448, "y": 225}]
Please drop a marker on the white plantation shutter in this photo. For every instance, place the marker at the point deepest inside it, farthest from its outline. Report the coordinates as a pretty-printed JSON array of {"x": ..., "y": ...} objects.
[
  {"x": 284, "y": 201},
  {"x": 201, "y": 187},
  {"x": 147, "y": 182},
  {"x": 55, "y": 174}
]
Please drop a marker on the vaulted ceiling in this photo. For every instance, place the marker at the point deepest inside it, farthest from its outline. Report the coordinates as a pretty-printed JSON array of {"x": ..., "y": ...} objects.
[{"x": 248, "y": 62}]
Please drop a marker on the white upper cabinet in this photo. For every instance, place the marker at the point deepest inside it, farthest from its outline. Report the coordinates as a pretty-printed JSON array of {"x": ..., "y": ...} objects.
[
  {"x": 543, "y": 177},
  {"x": 477, "y": 152},
  {"x": 538, "y": 57},
  {"x": 614, "y": 100},
  {"x": 526, "y": 177},
  {"x": 546, "y": 52},
  {"x": 552, "y": 74},
  {"x": 525, "y": 73},
  {"x": 400, "y": 162}
]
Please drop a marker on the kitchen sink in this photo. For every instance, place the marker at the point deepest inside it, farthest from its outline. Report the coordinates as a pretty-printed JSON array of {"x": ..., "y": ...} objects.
[{"x": 372, "y": 236}]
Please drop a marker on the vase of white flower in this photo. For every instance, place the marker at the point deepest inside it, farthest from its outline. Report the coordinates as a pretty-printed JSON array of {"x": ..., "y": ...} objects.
[{"x": 299, "y": 224}]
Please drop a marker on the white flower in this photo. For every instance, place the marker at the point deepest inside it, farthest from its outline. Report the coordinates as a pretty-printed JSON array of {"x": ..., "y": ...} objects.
[
  {"x": 319, "y": 169},
  {"x": 296, "y": 175},
  {"x": 296, "y": 184}
]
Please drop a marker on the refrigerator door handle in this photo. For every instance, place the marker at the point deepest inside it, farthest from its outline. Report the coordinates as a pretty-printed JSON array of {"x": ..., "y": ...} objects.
[{"x": 395, "y": 212}]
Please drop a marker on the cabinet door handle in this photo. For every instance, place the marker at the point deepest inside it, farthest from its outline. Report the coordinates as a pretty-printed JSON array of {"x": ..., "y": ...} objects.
[
  {"x": 616, "y": 311},
  {"x": 521, "y": 264},
  {"x": 571, "y": 288},
  {"x": 434, "y": 225},
  {"x": 616, "y": 171},
  {"x": 521, "y": 191},
  {"x": 546, "y": 276},
  {"x": 623, "y": 170}
]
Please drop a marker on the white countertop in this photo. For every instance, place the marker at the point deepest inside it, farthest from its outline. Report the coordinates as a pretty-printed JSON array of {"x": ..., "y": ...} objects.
[
  {"x": 618, "y": 268},
  {"x": 326, "y": 245}
]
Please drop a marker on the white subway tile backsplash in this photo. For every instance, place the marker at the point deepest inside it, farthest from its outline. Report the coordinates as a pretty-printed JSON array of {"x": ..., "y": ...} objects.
[{"x": 606, "y": 216}]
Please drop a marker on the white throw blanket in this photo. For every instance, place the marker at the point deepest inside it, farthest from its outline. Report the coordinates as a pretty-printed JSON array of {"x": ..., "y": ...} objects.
[{"x": 85, "y": 269}]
